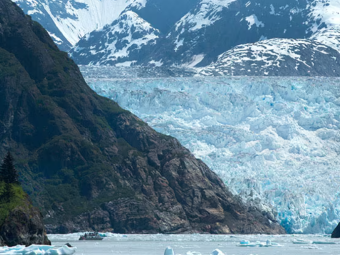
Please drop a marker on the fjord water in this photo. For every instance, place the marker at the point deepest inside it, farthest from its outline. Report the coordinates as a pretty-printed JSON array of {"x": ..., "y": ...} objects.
[
  {"x": 273, "y": 140},
  {"x": 191, "y": 243}
]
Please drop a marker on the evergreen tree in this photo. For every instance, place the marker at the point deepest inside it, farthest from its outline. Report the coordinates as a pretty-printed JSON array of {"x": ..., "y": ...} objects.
[{"x": 8, "y": 173}]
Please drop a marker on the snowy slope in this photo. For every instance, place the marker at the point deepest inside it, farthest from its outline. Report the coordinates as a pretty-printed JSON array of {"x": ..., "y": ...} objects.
[
  {"x": 329, "y": 37},
  {"x": 120, "y": 42},
  {"x": 69, "y": 20},
  {"x": 271, "y": 140},
  {"x": 212, "y": 27},
  {"x": 285, "y": 57}
]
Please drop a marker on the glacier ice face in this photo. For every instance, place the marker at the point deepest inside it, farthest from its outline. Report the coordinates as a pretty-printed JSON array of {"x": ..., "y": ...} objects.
[{"x": 275, "y": 141}]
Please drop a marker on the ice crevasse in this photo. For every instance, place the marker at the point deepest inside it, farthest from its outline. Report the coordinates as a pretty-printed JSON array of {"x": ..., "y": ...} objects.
[{"x": 275, "y": 141}]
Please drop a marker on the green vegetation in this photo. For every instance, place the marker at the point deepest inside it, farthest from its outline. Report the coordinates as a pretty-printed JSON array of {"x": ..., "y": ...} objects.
[
  {"x": 11, "y": 193},
  {"x": 16, "y": 199}
]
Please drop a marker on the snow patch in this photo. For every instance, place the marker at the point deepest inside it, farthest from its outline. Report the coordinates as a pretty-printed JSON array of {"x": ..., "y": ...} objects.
[{"x": 253, "y": 20}]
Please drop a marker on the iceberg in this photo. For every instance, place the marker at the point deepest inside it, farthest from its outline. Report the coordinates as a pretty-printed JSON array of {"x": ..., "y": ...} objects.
[
  {"x": 275, "y": 141},
  {"x": 38, "y": 250},
  {"x": 217, "y": 252},
  {"x": 301, "y": 241},
  {"x": 268, "y": 243},
  {"x": 169, "y": 251},
  {"x": 246, "y": 243}
]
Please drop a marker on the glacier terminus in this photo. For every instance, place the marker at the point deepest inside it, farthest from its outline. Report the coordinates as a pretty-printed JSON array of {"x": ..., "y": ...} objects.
[{"x": 274, "y": 141}]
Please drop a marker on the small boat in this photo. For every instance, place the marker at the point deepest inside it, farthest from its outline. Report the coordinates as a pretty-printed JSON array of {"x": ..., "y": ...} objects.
[{"x": 91, "y": 236}]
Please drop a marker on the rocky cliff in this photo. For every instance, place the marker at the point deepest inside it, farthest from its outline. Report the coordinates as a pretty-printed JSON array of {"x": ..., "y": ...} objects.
[
  {"x": 336, "y": 232},
  {"x": 20, "y": 222},
  {"x": 91, "y": 165}
]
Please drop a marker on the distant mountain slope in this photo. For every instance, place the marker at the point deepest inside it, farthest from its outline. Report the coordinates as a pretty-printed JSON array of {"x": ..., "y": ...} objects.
[
  {"x": 163, "y": 14},
  {"x": 277, "y": 57},
  {"x": 120, "y": 42},
  {"x": 329, "y": 37},
  {"x": 69, "y": 20},
  {"x": 91, "y": 165}
]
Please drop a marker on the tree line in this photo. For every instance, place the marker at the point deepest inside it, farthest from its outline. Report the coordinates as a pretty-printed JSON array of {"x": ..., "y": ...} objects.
[{"x": 8, "y": 176}]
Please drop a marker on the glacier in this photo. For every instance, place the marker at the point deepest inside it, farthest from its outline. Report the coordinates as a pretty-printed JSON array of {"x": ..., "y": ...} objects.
[{"x": 274, "y": 141}]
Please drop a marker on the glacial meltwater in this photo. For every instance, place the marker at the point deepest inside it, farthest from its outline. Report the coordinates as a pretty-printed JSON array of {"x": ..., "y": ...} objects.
[{"x": 197, "y": 244}]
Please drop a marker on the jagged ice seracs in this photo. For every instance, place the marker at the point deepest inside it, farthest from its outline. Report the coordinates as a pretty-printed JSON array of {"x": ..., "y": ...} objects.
[{"x": 275, "y": 141}]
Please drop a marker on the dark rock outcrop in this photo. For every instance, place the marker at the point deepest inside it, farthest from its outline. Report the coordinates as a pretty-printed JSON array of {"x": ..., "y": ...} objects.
[
  {"x": 91, "y": 165},
  {"x": 336, "y": 232},
  {"x": 24, "y": 225}
]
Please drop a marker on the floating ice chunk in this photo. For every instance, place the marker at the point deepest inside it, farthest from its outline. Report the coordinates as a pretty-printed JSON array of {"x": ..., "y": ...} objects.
[
  {"x": 246, "y": 243},
  {"x": 268, "y": 243},
  {"x": 64, "y": 250},
  {"x": 300, "y": 241},
  {"x": 217, "y": 252},
  {"x": 323, "y": 242},
  {"x": 34, "y": 247},
  {"x": 169, "y": 251},
  {"x": 38, "y": 250},
  {"x": 12, "y": 249},
  {"x": 193, "y": 253}
]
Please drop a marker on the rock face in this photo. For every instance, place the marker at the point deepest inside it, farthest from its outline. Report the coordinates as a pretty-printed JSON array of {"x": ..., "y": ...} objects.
[
  {"x": 336, "y": 232},
  {"x": 23, "y": 226},
  {"x": 91, "y": 165}
]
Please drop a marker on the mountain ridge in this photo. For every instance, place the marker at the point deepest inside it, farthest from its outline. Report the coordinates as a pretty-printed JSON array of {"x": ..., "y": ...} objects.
[{"x": 191, "y": 33}]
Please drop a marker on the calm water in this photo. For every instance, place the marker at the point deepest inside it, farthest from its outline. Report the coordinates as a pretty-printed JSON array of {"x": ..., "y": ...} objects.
[{"x": 201, "y": 244}]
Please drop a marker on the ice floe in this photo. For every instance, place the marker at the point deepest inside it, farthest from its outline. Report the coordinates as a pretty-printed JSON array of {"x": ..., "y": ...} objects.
[{"x": 38, "y": 249}]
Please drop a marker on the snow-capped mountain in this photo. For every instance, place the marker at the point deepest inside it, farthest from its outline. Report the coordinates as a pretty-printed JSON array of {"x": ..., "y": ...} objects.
[
  {"x": 191, "y": 33},
  {"x": 120, "y": 42},
  {"x": 274, "y": 57},
  {"x": 213, "y": 27},
  {"x": 273, "y": 141},
  {"x": 69, "y": 20}
]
